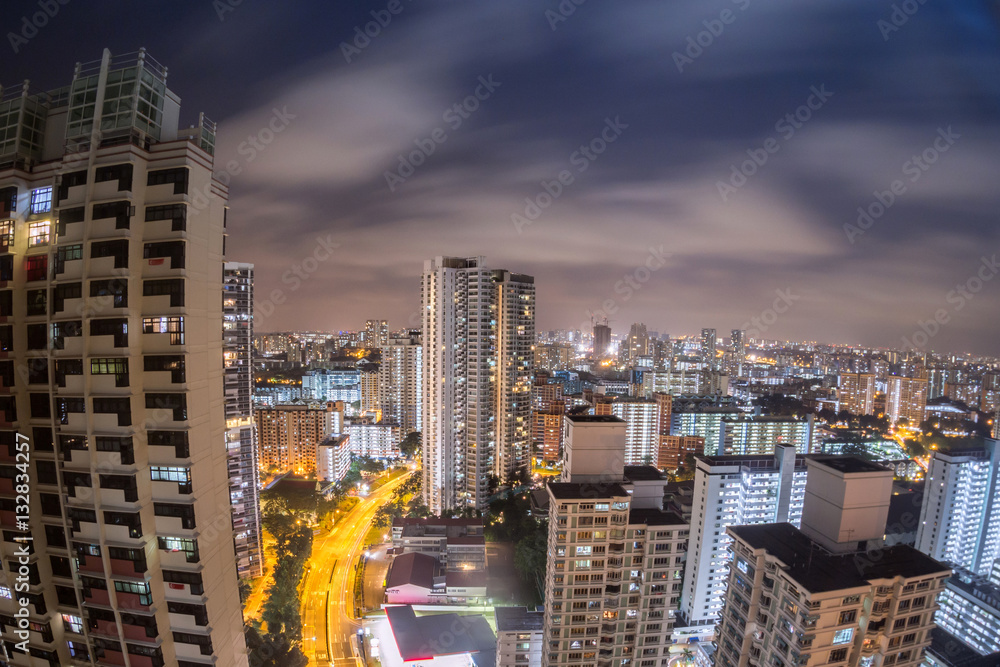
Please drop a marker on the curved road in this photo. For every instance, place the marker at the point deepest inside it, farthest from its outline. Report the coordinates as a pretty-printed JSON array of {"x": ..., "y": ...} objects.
[{"x": 328, "y": 589}]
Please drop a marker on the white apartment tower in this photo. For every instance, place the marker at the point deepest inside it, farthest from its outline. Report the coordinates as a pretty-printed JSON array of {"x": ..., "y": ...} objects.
[
  {"x": 478, "y": 328},
  {"x": 615, "y": 557},
  {"x": 111, "y": 325},
  {"x": 400, "y": 383},
  {"x": 708, "y": 345},
  {"x": 960, "y": 515},
  {"x": 241, "y": 429},
  {"x": 733, "y": 491},
  {"x": 830, "y": 593}
]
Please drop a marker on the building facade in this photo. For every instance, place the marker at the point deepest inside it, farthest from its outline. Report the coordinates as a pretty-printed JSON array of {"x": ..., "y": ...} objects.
[
  {"x": 905, "y": 398},
  {"x": 289, "y": 435},
  {"x": 613, "y": 573},
  {"x": 733, "y": 491},
  {"x": 830, "y": 593},
  {"x": 110, "y": 305},
  {"x": 400, "y": 383},
  {"x": 478, "y": 327},
  {"x": 241, "y": 429},
  {"x": 960, "y": 514},
  {"x": 856, "y": 393}
]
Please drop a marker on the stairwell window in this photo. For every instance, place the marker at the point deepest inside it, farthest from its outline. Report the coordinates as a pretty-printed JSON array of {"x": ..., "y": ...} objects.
[{"x": 41, "y": 200}]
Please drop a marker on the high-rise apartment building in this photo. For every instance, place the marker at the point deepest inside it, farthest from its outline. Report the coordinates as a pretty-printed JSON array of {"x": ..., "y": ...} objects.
[
  {"x": 733, "y": 491},
  {"x": 646, "y": 422},
  {"x": 602, "y": 340},
  {"x": 376, "y": 333},
  {"x": 111, "y": 249},
  {"x": 332, "y": 384},
  {"x": 637, "y": 342},
  {"x": 708, "y": 345},
  {"x": 400, "y": 381},
  {"x": 737, "y": 352},
  {"x": 289, "y": 435},
  {"x": 369, "y": 399},
  {"x": 515, "y": 357},
  {"x": 969, "y": 609},
  {"x": 241, "y": 429},
  {"x": 478, "y": 328},
  {"x": 960, "y": 515},
  {"x": 905, "y": 397},
  {"x": 745, "y": 435},
  {"x": 830, "y": 593},
  {"x": 613, "y": 572},
  {"x": 856, "y": 393}
]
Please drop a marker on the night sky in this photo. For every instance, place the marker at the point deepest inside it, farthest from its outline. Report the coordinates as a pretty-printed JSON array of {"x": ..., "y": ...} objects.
[{"x": 681, "y": 92}]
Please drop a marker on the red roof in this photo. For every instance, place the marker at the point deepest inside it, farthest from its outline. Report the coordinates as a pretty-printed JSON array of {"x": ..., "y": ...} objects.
[{"x": 414, "y": 568}]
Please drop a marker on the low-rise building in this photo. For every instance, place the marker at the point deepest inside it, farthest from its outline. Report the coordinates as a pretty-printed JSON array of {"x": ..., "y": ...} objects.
[{"x": 458, "y": 544}]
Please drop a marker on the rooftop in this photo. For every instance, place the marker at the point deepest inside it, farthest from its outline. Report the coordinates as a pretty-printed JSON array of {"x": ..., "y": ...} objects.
[
  {"x": 414, "y": 568},
  {"x": 819, "y": 571},
  {"x": 585, "y": 491},
  {"x": 949, "y": 650},
  {"x": 426, "y": 637},
  {"x": 654, "y": 517},
  {"x": 595, "y": 419},
  {"x": 517, "y": 619},
  {"x": 643, "y": 474},
  {"x": 847, "y": 464}
]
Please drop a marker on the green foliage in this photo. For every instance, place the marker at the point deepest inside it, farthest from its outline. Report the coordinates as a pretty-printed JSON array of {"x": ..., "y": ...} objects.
[
  {"x": 411, "y": 444},
  {"x": 507, "y": 519},
  {"x": 273, "y": 650},
  {"x": 529, "y": 557},
  {"x": 686, "y": 470},
  {"x": 293, "y": 544}
]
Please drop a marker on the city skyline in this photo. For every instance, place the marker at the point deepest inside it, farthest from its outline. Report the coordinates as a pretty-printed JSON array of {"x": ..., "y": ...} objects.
[{"x": 328, "y": 131}]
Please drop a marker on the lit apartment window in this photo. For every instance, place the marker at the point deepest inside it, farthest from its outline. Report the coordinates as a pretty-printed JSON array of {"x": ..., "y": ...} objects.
[
  {"x": 41, "y": 200},
  {"x": 6, "y": 232},
  {"x": 39, "y": 233}
]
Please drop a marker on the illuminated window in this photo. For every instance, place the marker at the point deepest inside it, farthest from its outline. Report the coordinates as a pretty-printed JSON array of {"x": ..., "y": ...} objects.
[
  {"x": 170, "y": 474},
  {"x": 39, "y": 233},
  {"x": 5, "y": 593},
  {"x": 6, "y": 232},
  {"x": 41, "y": 200},
  {"x": 73, "y": 623},
  {"x": 843, "y": 636}
]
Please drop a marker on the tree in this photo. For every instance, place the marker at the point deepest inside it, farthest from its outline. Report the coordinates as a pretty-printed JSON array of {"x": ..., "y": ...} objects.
[
  {"x": 411, "y": 444},
  {"x": 272, "y": 650},
  {"x": 529, "y": 557}
]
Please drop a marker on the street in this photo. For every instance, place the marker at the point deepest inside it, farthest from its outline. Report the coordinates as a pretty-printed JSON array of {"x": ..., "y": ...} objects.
[{"x": 328, "y": 587}]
